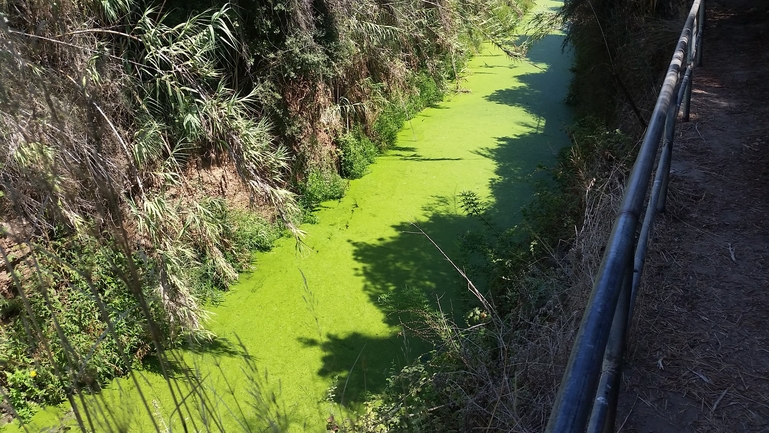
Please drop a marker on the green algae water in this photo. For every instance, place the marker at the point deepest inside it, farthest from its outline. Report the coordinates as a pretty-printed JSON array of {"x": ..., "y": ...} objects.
[{"x": 312, "y": 331}]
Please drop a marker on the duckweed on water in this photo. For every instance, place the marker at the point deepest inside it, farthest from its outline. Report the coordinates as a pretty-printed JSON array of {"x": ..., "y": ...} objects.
[{"x": 322, "y": 324}]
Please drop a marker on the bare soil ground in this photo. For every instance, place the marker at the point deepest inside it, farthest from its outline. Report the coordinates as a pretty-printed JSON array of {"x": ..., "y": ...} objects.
[{"x": 698, "y": 358}]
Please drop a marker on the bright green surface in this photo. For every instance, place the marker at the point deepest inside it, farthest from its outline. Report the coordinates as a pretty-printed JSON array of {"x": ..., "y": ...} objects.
[{"x": 361, "y": 262}]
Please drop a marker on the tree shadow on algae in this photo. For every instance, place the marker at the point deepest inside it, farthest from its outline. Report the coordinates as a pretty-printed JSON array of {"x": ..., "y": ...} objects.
[{"x": 407, "y": 272}]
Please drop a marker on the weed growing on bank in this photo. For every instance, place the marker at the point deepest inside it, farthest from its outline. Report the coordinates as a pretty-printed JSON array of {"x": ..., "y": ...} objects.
[
  {"x": 358, "y": 152},
  {"x": 621, "y": 49},
  {"x": 427, "y": 91}
]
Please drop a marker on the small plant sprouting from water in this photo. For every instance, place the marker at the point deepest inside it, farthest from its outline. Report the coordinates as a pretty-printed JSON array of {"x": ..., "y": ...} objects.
[
  {"x": 349, "y": 374},
  {"x": 472, "y": 204},
  {"x": 311, "y": 304}
]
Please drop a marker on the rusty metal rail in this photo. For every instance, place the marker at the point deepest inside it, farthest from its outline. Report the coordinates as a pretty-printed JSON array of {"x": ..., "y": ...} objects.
[{"x": 587, "y": 397}]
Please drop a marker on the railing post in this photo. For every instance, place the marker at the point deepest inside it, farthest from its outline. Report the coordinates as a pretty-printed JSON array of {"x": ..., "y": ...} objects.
[
  {"x": 604, "y": 414},
  {"x": 700, "y": 34},
  {"x": 690, "y": 53},
  {"x": 667, "y": 150},
  {"x": 694, "y": 57},
  {"x": 687, "y": 101}
]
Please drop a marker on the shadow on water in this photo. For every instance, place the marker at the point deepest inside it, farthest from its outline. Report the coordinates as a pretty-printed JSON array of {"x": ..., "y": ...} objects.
[
  {"x": 175, "y": 369},
  {"x": 395, "y": 149},
  {"x": 357, "y": 362},
  {"x": 518, "y": 158},
  {"x": 403, "y": 274},
  {"x": 407, "y": 271},
  {"x": 535, "y": 93},
  {"x": 219, "y": 346},
  {"x": 408, "y": 153},
  {"x": 178, "y": 368},
  {"x": 417, "y": 157}
]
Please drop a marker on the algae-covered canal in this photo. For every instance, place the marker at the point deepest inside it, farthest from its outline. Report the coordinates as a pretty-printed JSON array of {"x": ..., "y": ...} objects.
[{"x": 328, "y": 314}]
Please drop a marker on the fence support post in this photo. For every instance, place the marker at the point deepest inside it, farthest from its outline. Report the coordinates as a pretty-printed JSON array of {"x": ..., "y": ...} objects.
[
  {"x": 604, "y": 414},
  {"x": 700, "y": 33},
  {"x": 687, "y": 89},
  {"x": 664, "y": 164}
]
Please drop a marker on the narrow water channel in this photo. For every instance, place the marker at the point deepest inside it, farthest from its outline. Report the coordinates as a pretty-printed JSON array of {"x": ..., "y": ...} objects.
[{"x": 328, "y": 316}]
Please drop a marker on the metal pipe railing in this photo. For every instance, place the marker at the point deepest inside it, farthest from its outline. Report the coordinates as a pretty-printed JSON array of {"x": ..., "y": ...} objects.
[{"x": 589, "y": 389}]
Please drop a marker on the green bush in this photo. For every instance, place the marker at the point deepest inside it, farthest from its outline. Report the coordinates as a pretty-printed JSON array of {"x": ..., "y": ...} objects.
[
  {"x": 77, "y": 281},
  {"x": 357, "y": 153},
  {"x": 254, "y": 233},
  {"x": 406, "y": 405},
  {"x": 428, "y": 93},
  {"x": 388, "y": 123},
  {"x": 321, "y": 185},
  {"x": 75, "y": 284},
  {"x": 242, "y": 233},
  {"x": 424, "y": 91}
]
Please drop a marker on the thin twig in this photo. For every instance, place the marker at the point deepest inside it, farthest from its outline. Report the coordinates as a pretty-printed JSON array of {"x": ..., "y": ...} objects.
[
  {"x": 697, "y": 128},
  {"x": 715, "y": 405},
  {"x": 628, "y": 416},
  {"x": 112, "y": 32},
  {"x": 731, "y": 253}
]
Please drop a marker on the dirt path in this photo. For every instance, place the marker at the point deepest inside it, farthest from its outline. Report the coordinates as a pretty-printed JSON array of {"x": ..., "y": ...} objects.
[{"x": 698, "y": 357}]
